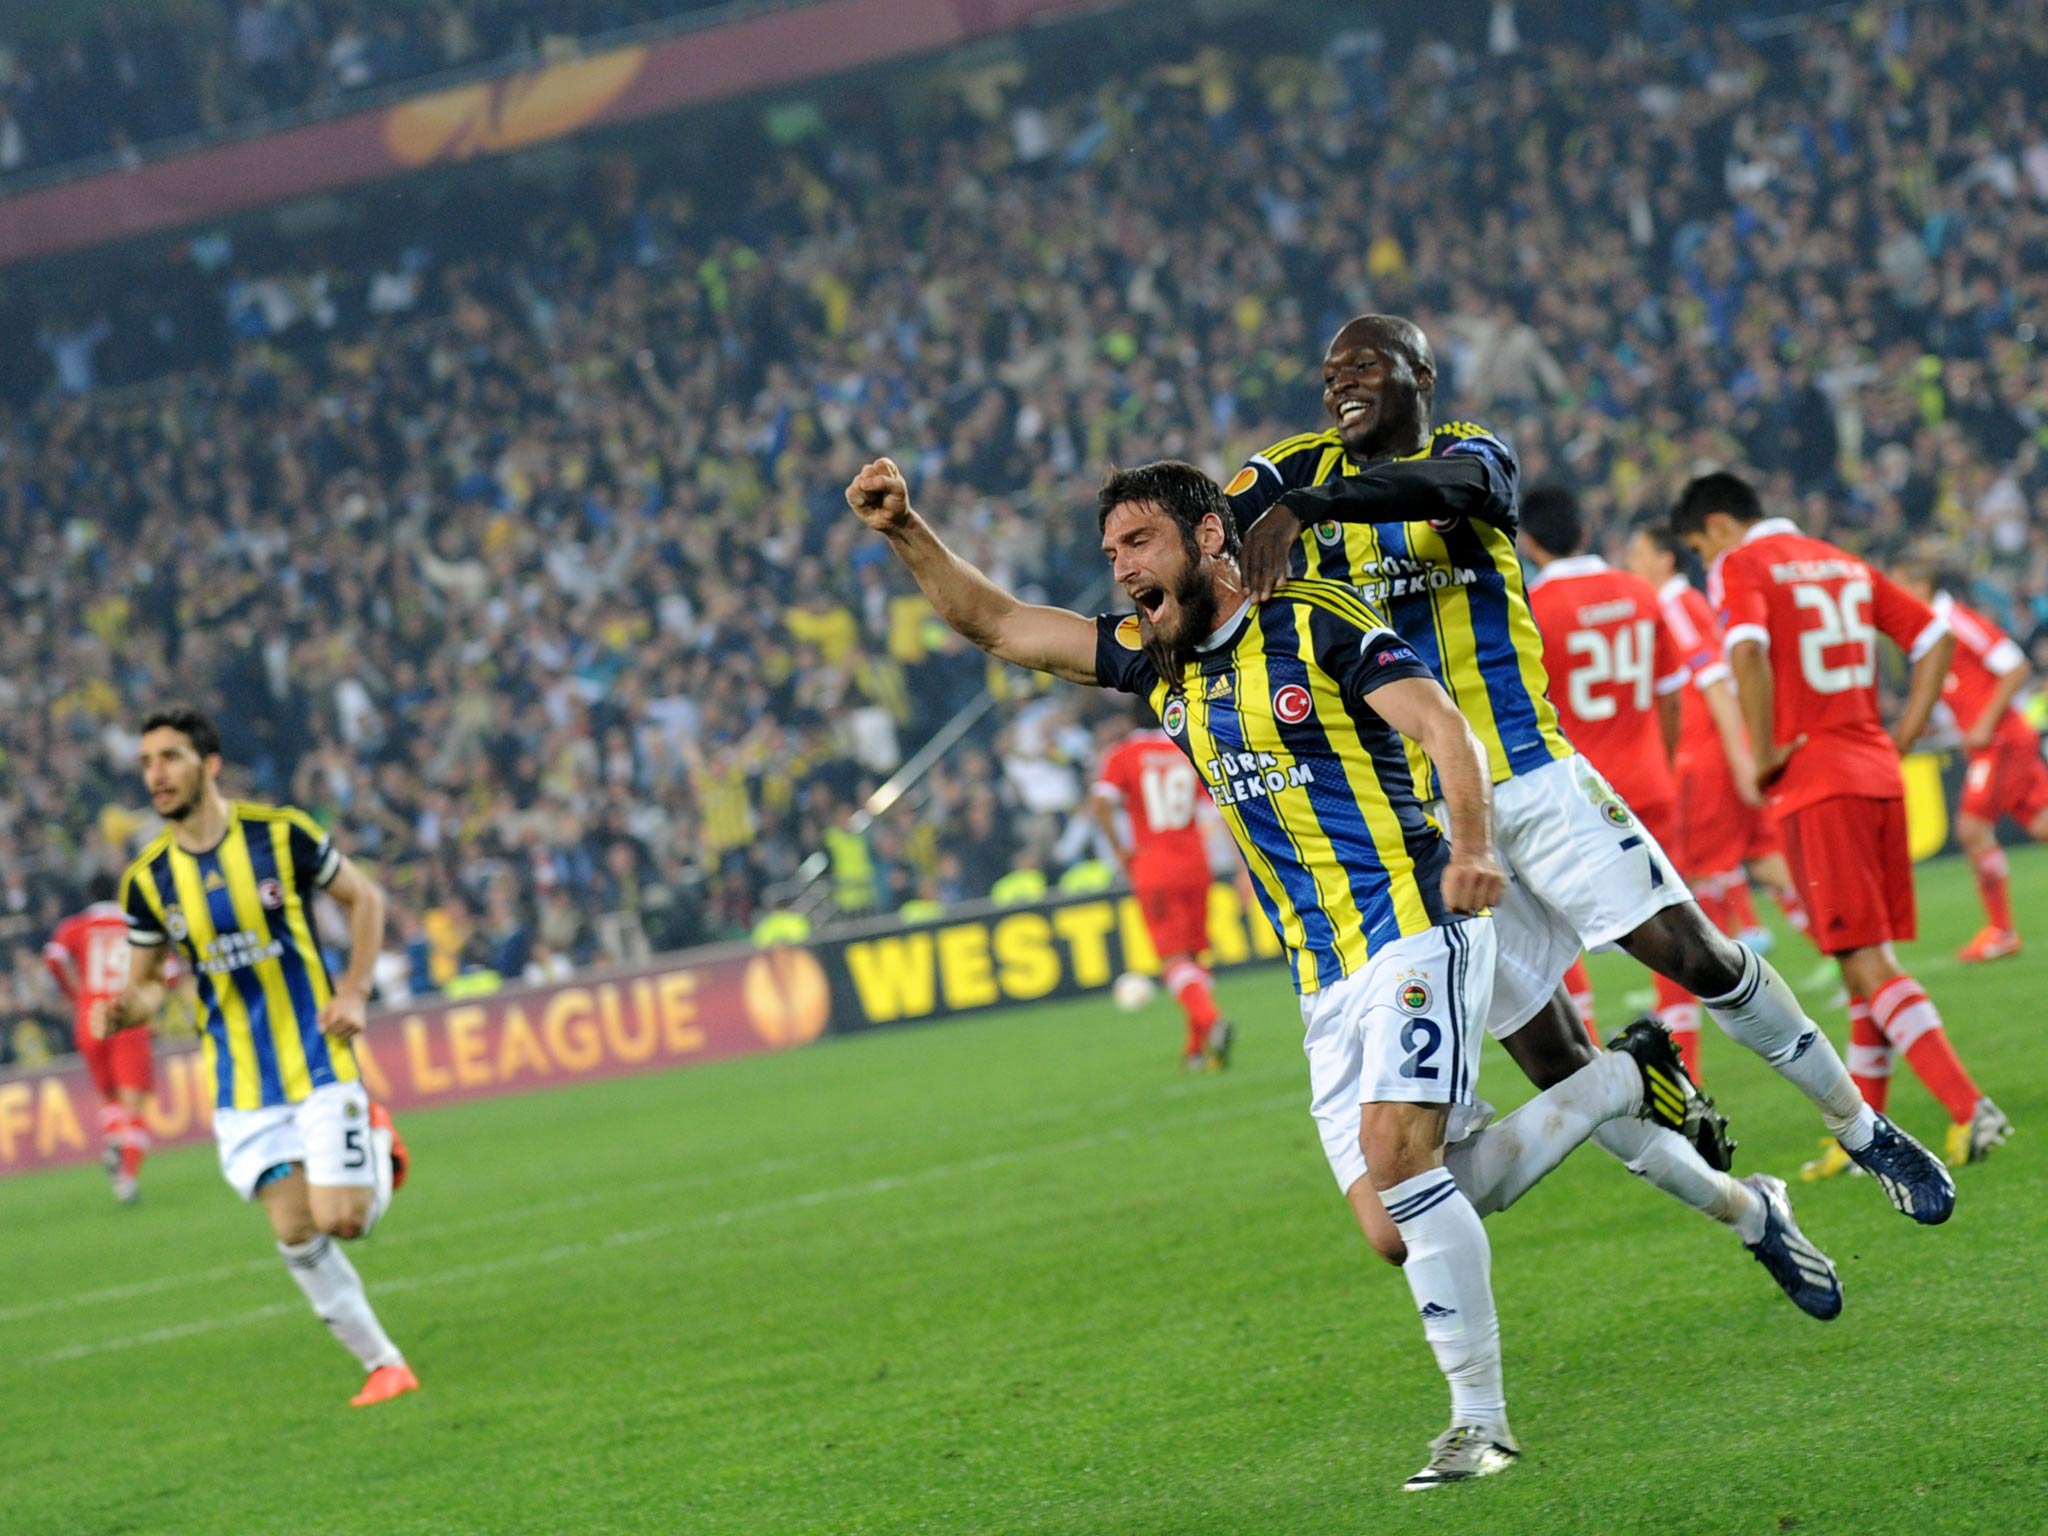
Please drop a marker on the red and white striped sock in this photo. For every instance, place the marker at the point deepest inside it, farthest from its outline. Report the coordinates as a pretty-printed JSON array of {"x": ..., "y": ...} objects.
[
  {"x": 134, "y": 1144},
  {"x": 1189, "y": 984},
  {"x": 1679, "y": 1011},
  {"x": 1992, "y": 876},
  {"x": 1580, "y": 986},
  {"x": 1909, "y": 1021},
  {"x": 1870, "y": 1056}
]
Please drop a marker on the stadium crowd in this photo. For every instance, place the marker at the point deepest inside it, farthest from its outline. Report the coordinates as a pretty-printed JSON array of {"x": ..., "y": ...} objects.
[
  {"x": 516, "y": 550},
  {"x": 136, "y": 76}
]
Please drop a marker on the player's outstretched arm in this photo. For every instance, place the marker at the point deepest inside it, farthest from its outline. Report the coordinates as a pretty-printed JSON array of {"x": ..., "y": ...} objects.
[
  {"x": 1045, "y": 639},
  {"x": 345, "y": 1013},
  {"x": 1476, "y": 483},
  {"x": 1420, "y": 710},
  {"x": 143, "y": 998}
]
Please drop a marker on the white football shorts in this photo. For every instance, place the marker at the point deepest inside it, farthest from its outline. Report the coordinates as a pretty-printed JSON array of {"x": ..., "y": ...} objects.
[
  {"x": 328, "y": 1131},
  {"x": 1582, "y": 872},
  {"x": 1405, "y": 1029}
]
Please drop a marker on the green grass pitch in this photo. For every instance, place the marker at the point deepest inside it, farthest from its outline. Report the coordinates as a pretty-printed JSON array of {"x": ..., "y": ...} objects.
[{"x": 1017, "y": 1274}]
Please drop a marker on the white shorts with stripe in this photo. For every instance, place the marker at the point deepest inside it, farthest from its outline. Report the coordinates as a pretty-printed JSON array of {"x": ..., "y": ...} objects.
[
  {"x": 1582, "y": 872},
  {"x": 328, "y": 1131},
  {"x": 1405, "y": 1029}
]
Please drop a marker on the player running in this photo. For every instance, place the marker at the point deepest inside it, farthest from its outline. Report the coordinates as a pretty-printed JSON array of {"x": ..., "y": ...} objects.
[
  {"x": 88, "y": 954},
  {"x": 231, "y": 884},
  {"x": 1727, "y": 834},
  {"x": 1290, "y": 709},
  {"x": 1166, "y": 860},
  {"x": 2005, "y": 776},
  {"x": 1802, "y": 619},
  {"x": 1423, "y": 520},
  {"x": 1605, "y": 640}
]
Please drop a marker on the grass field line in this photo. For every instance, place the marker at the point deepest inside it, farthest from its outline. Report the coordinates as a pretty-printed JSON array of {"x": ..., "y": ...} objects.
[
  {"x": 786, "y": 1205},
  {"x": 158, "y": 1285}
]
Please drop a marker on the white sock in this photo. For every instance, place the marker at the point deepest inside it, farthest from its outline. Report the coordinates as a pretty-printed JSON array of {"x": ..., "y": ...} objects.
[
  {"x": 1763, "y": 1014},
  {"x": 1450, "y": 1273},
  {"x": 336, "y": 1291},
  {"x": 380, "y": 1192},
  {"x": 1502, "y": 1163},
  {"x": 1666, "y": 1159}
]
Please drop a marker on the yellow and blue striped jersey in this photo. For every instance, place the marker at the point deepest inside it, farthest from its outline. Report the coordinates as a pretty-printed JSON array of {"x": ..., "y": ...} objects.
[
  {"x": 1312, "y": 783},
  {"x": 1449, "y": 579},
  {"x": 242, "y": 914}
]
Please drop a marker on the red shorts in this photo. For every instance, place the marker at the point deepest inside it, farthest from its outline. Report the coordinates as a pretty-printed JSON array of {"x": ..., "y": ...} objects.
[
  {"x": 122, "y": 1060},
  {"x": 1720, "y": 834},
  {"x": 1849, "y": 859},
  {"x": 2007, "y": 778},
  {"x": 1177, "y": 915}
]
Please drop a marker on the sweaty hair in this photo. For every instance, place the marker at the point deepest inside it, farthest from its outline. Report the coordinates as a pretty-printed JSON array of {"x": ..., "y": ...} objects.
[
  {"x": 1179, "y": 490},
  {"x": 1718, "y": 492},
  {"x": 198, "y": 729},
  {"x": 1550, "y": 516}
]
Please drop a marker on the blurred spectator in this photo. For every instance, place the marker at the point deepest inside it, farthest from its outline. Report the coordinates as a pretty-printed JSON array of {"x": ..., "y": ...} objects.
[{"x": 538, "y": 584}]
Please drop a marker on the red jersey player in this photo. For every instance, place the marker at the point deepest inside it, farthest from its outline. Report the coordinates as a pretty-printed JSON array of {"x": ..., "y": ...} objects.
[
  {"x": 1616, "y": 673},
  {"x": 88, "y": 954},
  {"x": 1802, "y": 619},
  {"x": 1727, "y": 835},
  {"x": 2006, "y": 776},
  {"x": 1167, "y": 859}
]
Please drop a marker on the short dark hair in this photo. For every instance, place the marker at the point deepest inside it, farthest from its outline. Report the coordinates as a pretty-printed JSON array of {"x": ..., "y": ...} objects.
[
  {"x": 1550, "y": 515},
  {"x": 199, "y": 730},
  {"x": 1179, "y": 490},
  {"x": 101, "y": 887},
  {"x": 1718, "y": 492},
  {"x": 1657, "y": 528}
]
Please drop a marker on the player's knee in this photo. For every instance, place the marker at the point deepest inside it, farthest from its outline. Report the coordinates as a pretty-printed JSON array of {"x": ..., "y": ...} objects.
[
  {"x": 342, "y": 1224},
  {"x": 1680, "y": 943},
  {"x": 1388, "y": 1245},
  {"x": 293, "y": 1233}
]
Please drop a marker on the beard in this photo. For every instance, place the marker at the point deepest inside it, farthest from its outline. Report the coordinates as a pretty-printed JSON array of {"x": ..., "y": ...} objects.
[
  {"x": 1194, "y": 601},
  {"x": 183, "y": 808}
]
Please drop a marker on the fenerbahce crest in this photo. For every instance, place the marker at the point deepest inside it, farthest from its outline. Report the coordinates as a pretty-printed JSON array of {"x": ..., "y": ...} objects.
[
  {"x": 1413, "y": 995},
  {"x": 1175, "y": 718}
]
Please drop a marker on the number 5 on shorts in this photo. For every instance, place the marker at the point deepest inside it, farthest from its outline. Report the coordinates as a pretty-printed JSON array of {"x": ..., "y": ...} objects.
[{"x": 358, "y": 1154}]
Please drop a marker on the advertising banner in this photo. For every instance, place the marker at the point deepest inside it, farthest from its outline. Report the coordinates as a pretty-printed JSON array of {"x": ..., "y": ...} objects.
[
  {"x": 511, "y": 111},
  {"x": 709, "y": 1005},
  {"x": 703, "y": 1005},
  {"x": 691, "y": 1008}
]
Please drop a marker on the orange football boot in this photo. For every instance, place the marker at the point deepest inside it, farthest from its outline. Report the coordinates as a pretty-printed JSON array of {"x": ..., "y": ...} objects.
[
  {"x": 1990, "y": 944},
  {"x": 401, "y": 1159},
  {"x": 385, "y": 1383}
]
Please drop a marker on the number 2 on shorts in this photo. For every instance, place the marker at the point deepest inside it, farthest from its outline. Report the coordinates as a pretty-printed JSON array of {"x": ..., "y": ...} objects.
[{"x": 1430, "y": 1037}]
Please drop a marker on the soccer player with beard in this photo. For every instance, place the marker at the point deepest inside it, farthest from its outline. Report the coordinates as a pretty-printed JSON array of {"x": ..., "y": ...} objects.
[
  {"x": 1422, "y": 520},
  {"x": 231, "y": 884},
  {"x": 1290, "y": 710}
]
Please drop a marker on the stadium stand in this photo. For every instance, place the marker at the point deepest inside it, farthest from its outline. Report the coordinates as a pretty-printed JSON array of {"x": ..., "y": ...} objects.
[
  {"x": 516, "y": 541},
  {"x": 116, "y": 81}
]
